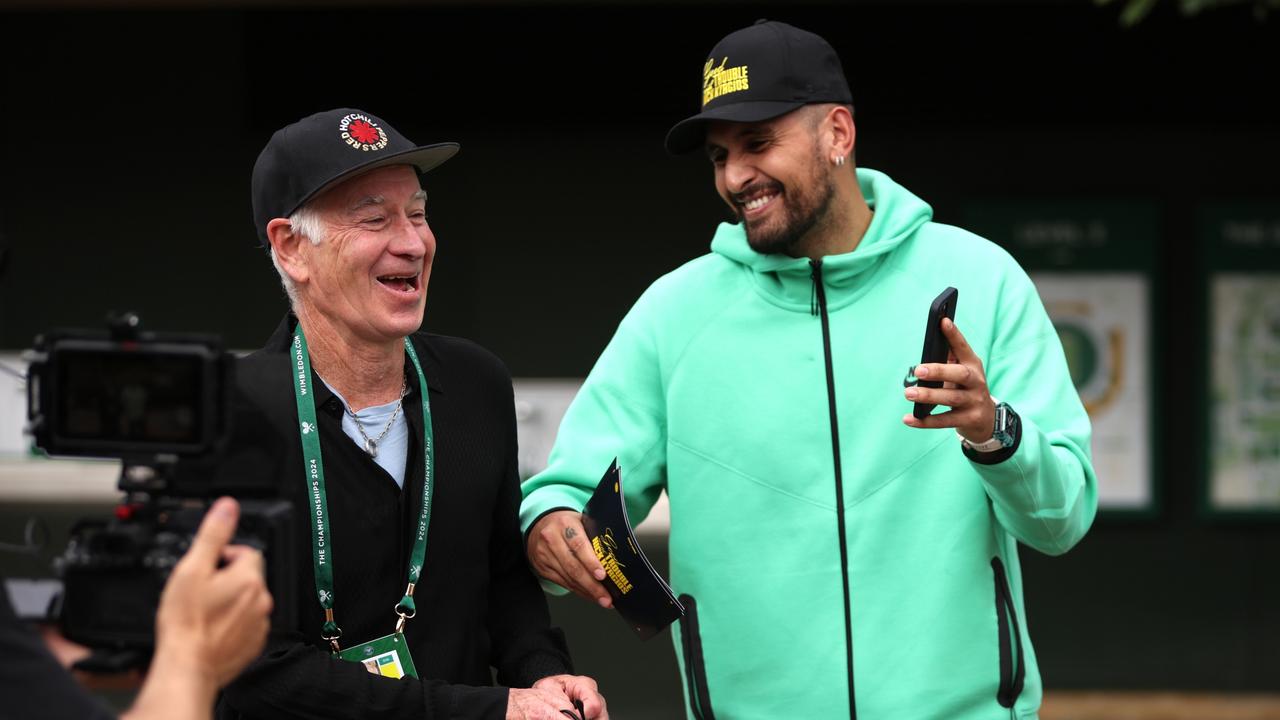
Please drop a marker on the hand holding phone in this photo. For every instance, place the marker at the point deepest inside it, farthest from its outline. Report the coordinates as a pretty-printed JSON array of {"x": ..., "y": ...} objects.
[{"x": 936, "y": 347}]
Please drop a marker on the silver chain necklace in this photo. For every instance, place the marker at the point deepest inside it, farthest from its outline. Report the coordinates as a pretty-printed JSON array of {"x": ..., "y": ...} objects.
[{"x": 371, "y": 445}]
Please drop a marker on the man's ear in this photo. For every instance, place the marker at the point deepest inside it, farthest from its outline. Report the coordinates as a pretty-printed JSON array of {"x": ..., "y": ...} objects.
[
  {"x": 841, "y": 131},
  {"x": 286, "y": 245}
]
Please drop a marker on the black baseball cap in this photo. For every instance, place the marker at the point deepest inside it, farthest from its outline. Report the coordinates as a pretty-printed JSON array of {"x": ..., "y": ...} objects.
[
  {"x": 761, "y": 72},
  {"x": 312, "y": 155}
]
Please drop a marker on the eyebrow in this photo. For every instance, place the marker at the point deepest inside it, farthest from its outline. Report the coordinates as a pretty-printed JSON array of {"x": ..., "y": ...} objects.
[
  {"x": 366, "y": 201},
  {"x": 759, "y": 133},
  {"x": 747, "y": 134}
]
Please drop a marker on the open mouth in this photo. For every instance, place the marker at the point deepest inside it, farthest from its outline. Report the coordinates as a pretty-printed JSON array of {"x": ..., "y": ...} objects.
[
  {"x": 400, "y": 283},
  {"x": 759, "y": 202},
  {"x": 755, "y": 199}
]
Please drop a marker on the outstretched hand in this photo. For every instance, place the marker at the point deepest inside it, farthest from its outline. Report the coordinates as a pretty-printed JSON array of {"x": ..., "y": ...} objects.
[{"x": 964, "y": 390}]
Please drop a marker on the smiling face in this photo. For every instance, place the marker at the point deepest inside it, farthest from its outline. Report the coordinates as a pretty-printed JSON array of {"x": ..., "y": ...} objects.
[
  {"x": 774, "y": 179},
  {"x": 368, "y": 277}
]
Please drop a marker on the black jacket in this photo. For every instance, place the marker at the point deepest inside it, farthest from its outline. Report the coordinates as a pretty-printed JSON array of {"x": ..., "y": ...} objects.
[
  {"x": 32, "y": 682},
  {"x": 478, "y": 604}
]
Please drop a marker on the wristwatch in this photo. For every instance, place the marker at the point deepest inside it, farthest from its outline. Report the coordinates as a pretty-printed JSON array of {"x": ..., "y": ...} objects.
[{"x": 1003, "y": 434}]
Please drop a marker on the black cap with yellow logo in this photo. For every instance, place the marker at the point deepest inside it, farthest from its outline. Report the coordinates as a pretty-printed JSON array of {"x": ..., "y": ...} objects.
[{"x": 761, "y": 72}]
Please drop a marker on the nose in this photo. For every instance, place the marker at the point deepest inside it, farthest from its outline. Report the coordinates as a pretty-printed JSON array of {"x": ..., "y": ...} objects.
[
  {"x": 412, "y": 239},
  {"x": 738, "y": 173}
]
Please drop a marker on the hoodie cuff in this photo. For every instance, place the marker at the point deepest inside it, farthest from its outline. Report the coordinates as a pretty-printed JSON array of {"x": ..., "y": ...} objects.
[{"x": 996, "y": 456}]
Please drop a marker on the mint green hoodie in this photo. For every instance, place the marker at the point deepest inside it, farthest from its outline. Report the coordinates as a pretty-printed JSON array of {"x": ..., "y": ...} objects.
[{"x": 715, "y": 388}]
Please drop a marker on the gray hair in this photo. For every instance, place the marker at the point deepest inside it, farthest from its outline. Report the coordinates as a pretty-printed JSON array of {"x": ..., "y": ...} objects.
[{"x": 306, "y": 222}]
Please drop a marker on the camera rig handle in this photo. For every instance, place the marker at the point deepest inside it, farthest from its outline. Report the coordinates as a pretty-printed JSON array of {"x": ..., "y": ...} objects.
[
  {"x": 112, "y": 661},
  {"x": 124, "y": 327}
]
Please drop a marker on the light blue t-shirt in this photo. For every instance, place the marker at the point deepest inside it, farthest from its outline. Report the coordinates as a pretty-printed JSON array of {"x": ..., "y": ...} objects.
[{"x": 393, "y": 448}]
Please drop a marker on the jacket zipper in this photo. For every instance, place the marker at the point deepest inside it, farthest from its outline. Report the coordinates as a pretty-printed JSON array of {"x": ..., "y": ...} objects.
[
  {"x": 1012, "y": 667},
  {"x": 821, "y": 298}
]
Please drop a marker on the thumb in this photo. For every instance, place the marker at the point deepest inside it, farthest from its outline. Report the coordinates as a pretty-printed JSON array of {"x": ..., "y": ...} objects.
[{"x": 215, "y": 532}]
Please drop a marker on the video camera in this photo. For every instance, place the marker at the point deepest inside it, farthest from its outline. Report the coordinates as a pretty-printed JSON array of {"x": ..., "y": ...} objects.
[{"x": 160, "y": 404}]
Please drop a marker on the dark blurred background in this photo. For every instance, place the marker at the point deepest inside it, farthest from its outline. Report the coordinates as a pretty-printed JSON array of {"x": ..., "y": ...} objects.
[{"x": 130, "y": 130}]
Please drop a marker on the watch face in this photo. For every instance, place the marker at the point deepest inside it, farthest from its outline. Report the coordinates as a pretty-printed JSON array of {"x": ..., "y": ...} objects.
[{"x": 1006, "y": 424}]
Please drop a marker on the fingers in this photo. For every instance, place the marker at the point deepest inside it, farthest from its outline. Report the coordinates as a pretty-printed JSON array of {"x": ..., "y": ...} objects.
[
  {"x": 934, "y": 421},
  {"x": 963, "y": 352},
  {"x": 584, "y": 689},
  {"x": 964, "y": 389},
  {"x": 215, "y": 532},
  {"x": 575, "y": 536},
  {"x": 949, "y": 397},
  {"x": 560, "y": 551},
  {"x": 239, "y": 634},
  {"x": 242, "y": 574},
  {"x": 974, "y": 421},
  {"x": 583, "y": 565},
  {"x": 237, "y": 555},
  {"x": 961, "y": 374},
  {"x": 541, "y": 703}
]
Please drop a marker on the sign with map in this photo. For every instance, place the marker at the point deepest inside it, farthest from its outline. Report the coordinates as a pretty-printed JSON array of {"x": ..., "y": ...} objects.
[{"x": 1242, "y": 257}]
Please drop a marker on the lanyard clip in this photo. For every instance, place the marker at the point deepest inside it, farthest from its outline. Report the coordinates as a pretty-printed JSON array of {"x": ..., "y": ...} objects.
[
  {"x": 405, "y": 608},
  {"x": 331, "y": 632}
]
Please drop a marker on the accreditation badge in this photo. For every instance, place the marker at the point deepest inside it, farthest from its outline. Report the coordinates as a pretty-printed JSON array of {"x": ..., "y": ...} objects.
[{"x": 387, "y": 656}]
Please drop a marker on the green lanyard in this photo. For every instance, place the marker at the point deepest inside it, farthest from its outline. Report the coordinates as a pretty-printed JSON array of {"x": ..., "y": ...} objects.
[{"x": 313, "y": 474}]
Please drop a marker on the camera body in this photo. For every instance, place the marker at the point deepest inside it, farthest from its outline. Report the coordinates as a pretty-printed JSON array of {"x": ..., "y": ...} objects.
[
  {"x": 160, "y": 404},
  {"x": 127, "y": 394}
]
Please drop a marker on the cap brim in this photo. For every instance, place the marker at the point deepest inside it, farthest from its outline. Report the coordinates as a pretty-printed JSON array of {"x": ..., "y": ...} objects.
[
  {"x": 423, "y": 158},
  {"x": 688, "y": 134}
]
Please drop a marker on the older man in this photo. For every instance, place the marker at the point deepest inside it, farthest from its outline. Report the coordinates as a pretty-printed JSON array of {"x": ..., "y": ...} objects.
[{"x": 397, "y": 446}]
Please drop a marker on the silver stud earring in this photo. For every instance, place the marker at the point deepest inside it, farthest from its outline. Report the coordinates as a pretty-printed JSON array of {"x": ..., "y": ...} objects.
[{"x": 839, "y": 161}]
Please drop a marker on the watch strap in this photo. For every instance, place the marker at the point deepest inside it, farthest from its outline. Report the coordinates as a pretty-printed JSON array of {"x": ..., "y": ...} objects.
[
  {"x": 1005, "y": 439},
  {"x": 991, "y": 445}
]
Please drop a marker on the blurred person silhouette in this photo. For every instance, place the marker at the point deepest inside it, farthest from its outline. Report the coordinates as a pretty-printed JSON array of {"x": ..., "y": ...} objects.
[{"x": 213, "y": 618}]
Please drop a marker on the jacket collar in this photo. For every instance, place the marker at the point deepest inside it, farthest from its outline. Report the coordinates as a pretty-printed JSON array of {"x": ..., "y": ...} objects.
[
  {"x": 788, "y": 281},
  {"x": 282, "y": 339}
]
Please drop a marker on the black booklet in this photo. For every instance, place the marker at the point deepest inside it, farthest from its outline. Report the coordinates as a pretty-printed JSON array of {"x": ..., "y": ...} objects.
[{"x": 641, "y": 596}]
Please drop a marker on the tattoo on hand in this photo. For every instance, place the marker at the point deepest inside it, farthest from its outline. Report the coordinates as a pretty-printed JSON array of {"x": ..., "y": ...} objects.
[{"x": 570, "y": 533}]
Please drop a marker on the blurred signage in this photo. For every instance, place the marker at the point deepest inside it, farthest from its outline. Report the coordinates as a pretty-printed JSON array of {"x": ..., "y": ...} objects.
[
  {"x": 1241, "y": 245},
  {"x": 1093, "y": 265}
]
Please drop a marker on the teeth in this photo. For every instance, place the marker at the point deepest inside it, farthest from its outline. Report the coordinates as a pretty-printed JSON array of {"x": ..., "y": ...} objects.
[
  {"x": 407, "y": 280},
  {"x": 758, "y": 202}
]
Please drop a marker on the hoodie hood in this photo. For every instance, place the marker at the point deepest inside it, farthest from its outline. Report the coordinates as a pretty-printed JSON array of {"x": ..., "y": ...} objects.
[{"x": 786, "y": 280}]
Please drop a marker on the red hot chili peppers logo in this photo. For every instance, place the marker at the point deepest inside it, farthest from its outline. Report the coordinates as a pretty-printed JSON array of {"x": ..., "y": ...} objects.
[{"x": 362, "y": 133}]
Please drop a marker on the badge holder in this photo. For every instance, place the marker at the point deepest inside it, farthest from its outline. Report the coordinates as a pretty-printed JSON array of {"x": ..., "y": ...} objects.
[{"x": 387, "y": 656}]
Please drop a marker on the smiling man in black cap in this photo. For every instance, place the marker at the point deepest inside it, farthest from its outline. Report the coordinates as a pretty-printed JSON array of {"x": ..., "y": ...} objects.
[
  {"x": 837, "y": 555},
  {"x": 398, "y": 449}
]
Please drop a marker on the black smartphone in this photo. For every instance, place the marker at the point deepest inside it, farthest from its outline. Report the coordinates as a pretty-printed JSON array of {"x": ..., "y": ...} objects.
[{"x": 936, "y": 347}]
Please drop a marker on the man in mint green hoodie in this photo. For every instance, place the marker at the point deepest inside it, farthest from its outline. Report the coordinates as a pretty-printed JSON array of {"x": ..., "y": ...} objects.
[{"x": 836, "y": 556}]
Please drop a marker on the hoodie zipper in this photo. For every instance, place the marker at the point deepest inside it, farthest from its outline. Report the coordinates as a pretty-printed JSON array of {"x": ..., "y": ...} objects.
[{"x": 820, "y": 309}]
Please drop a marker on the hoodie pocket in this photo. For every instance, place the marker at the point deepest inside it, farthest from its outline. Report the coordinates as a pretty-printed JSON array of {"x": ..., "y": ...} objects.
[
  {"x": 695, "y": 673},
  {"x": 1012, "y": 671}
]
